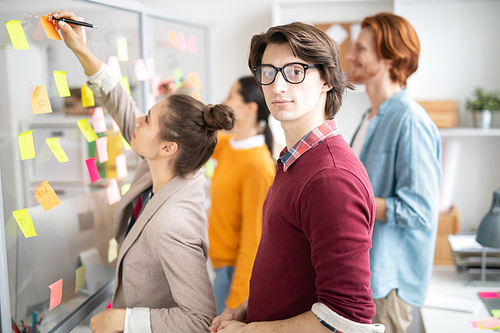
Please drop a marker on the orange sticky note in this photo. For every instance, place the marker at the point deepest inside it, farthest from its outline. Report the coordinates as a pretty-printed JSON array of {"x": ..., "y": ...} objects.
[
  {"x": 26, "y": 145},
  {"x": 112, "y": 250},
  {"x": 87, "y": 130},
  {"x": 49, "y": 28},
  {"x": 46, "y": 196},
  {"x": 17, "y": 36},
  {"x": 196, "y": 95},
  {"x": 490, "y": 323},
  {"x": 56, "y": 148},
  {"x": 124, "y": 82},
  {"x": 87, "y": 96},
  {"x": 80, "y": 273},
  {"x": 113, "y": 192},
  {"x": 173, "y": 38},
  {"x": 102, "y": 149},
  {"x": 55, "y": 294},
  {"x": 141, "y": 73},
  {"x": 121, "y": 166},
  {"x": 98, "y": 121},
  {"x": 194, "y": 79},
  {"x": 24, "y": 221},
  {"x": 61, "y": 83},
  {"x": 192, "y": 44},
  {"x": 40, "y": 100}
]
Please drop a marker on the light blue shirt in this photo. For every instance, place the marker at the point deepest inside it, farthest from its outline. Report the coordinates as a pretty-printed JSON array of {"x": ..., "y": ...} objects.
[{"x": 402, "y": 155}]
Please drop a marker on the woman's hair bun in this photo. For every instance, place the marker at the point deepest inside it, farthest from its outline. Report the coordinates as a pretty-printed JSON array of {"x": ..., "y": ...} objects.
[{"x": 219, "y": 117}]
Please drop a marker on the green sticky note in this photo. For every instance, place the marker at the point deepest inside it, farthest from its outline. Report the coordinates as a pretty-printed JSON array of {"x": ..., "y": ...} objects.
[
  {"x": 121, "y": 44},
  {"x": 61, "y": 83},
  {"x": 80, "y": 277},
  {"x": 495, "y": 312},
  {"x": 125, "y": 188},
  {"x": 17, "y": 35},
  {"x": 178, "y": 78},
  {"x": 26, "y": 145}
]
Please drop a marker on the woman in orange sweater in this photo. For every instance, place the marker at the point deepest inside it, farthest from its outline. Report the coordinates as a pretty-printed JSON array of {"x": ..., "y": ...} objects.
[{"x": 244, "y": 172}]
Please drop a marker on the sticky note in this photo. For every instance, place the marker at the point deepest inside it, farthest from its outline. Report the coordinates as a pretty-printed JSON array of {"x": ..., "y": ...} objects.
[
  {"x": 114, "y": 64},
  {"x": 46, "y": 196},
  {"x": 24, "y": 221},
  {"x": 124, "y": 82},
  {"x": 495, "y": 312},
  {"x": 141, "y": 72},
  {"x": 122, "y": 48},
  {"x": 489, "y": 294},
  {"x": 17, "y": 35},
  {"x": 178, "y": 77},
  {"x": 194, "y": 79},
  {"x": 80, "y": 277},
  {"x": 87, "y": 130},
  {"x": 124, "y": 189},
  {"x": 490, "y": 323},
  {"x": 40, "y": 100},
  {"x": 473, "y": 324},
  {"x": 181, "y": 41},
  {"x": 49, "y": 28},
  {"x": 55, "y": 294},
  {"x": 112, "y": 250},
  {"x": 125, "y": 143},
  {"x": 61, "y": 83},
  {"x": 150, "y": 64},
  {"x": 56, "y": 148},
  {"x": 192, "y": 44},
  {"x": 121, "y": 166},
  {"x": 173, "y": 38},
  {"x": 151, "y": 100},
  {"x": 114, "y": 126},
  {"x": 92, "y": 169},
  {"x": 26, "y": 145},
  {"x": 102, "y": 149},
  {"x": 113, "y": 192},
  {"x": 87, "y": 97},
  {"x": 196, "y": 95},
  {"x": 98, "y": 121},
  {"x": 155, "y": 84}
]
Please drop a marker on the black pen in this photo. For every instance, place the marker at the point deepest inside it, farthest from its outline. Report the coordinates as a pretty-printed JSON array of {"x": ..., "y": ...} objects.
[{"x": 83, "y": 24}]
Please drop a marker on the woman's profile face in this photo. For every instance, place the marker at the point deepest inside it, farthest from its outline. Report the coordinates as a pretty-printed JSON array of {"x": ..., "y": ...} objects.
[
  {"x": 146, "y": 137},
  {"x": 235, "y": 101}
]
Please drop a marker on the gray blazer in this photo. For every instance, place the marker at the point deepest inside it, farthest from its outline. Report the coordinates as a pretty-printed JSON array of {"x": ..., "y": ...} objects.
[{"x": 161, "y": 270}]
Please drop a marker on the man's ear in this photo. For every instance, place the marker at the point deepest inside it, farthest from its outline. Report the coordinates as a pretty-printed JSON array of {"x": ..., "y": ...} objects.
[{"x": 169, "y": 148}]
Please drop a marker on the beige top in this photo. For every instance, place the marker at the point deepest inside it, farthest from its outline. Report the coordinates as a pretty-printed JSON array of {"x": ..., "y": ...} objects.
[{"x": 161, "y": 270}]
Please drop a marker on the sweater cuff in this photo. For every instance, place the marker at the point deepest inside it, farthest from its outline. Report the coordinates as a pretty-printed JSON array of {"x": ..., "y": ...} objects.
[
  {"x": 104, "y": 80},
  {"x": 335, "y": 321},
  {"x": 140, "y": 321}
]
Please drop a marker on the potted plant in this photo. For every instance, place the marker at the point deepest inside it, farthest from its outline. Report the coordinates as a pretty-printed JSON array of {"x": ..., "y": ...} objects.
[{"x": 482, "y": 103}]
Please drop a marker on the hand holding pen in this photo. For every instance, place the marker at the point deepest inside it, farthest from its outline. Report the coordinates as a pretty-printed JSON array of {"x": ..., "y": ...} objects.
[{"x": 70, "y": 21}]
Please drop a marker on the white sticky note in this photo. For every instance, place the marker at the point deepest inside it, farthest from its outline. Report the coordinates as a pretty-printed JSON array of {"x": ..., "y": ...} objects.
[
  {"x": 98, "y": 121},
  {"x": 121, "y": 166},
  {"x": 113, "y": 192},
  {"x": 102, "y": 149}
]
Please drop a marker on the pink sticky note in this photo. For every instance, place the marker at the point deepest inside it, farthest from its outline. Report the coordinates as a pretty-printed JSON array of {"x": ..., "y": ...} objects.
[
  {"x": 113, "y": 192},
  {"x": 84, "y": 34},
  {"x": 102, "y": 149},
  {"x": 155, "y": 84},
  {"x": 492, "y": 322},
  {"x": 98, "y": 121},
  {"x": 55, "y": 294},
  {"x": 150, "y": 63},
  {"x": 489, "y": 294},
  {"x": 92, "y": 168},
  {"x": 473, "y": 324},
  {"x": 121, "y": 166},
  {"x": 141, "y": 73},
  {"x": 181, "y": 41},
  {"x": 192, "y": 44},
  {"x": 109, "y": 306},
  {"x": 114, "y": 126},
  {"x": 114, "y": 63}
]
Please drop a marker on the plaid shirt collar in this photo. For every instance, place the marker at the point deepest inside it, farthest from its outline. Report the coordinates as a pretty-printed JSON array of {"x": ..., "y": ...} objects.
[{"x": 311, "y": 139}]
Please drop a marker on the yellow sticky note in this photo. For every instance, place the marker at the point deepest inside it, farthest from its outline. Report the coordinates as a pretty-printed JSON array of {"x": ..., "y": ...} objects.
[
  {"x": 124, "y": 189},
  {"x": 112, "y": 250},
  {"x": 125, "y": 84},
  {"x": 26, "y": 145},
  {"x": 194, "y": 79},
  {"x": 80, "y": 277},
  {"x": 17, "y": 35},
  {"x": 46, "y": 196},
  {"x": 56, "y": 148},
  {"x": 125, "y": 143},
  {"x": 87, "y": 130},
  {"x": 25, "y": 223},
  {"x": 61, "y": 83},
  {"x": 121, "y": 44},
  {"x": 40, "y": 102},
  {"x": 49, "y": 28},
  {"x": 87, "y": 96}
]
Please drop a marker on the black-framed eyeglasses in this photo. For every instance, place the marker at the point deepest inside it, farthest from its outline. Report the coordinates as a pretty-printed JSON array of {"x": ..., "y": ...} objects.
[{"x": 293, "y": 73}]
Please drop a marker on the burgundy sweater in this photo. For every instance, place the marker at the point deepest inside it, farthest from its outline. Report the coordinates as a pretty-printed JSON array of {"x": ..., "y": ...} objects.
[{"x": 316, "y": 236}]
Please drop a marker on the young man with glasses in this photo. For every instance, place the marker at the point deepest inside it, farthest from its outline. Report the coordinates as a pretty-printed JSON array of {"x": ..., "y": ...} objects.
[
  {"x": 401, "y": 149},
  {"x": 312, "y": 269}
]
